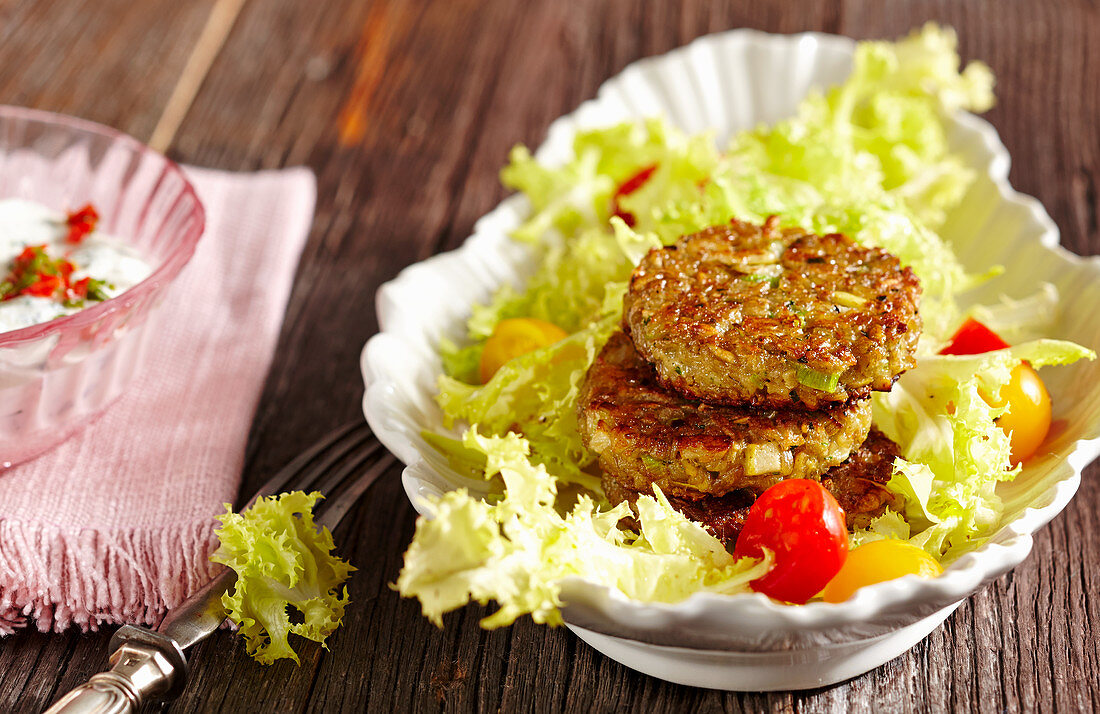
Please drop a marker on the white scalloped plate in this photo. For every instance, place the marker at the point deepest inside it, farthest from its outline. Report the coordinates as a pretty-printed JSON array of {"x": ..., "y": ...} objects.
[{"x": 728, "y": 82}]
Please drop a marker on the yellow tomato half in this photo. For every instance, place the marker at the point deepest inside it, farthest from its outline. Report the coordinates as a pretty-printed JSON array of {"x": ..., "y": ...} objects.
[
  {"x": 515, "y": 337},
  {"x": 1028, "y": 417},
  {"x": 876, "y": 562}
]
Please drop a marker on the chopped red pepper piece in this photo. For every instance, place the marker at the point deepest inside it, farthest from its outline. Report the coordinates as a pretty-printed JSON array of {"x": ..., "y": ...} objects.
[
  {"x": 79, "y": 289},
  {"x": 628, "y": 187},
  {"x": 29, "y": 254},
  {"x": 44, "y": 286},
  {"x": 35, "y": 273},
  {"x": 81, "y": 223},
  {"x": 973, "y": 338},
  {"x": 635, "y": 182}
]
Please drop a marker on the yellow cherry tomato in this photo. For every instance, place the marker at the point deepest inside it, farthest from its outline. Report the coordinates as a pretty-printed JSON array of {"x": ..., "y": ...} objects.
[
  {"x": 876, "y": 562},
  {"x": 1028, "y": 417},
  {"x": 515, "y": 337}
]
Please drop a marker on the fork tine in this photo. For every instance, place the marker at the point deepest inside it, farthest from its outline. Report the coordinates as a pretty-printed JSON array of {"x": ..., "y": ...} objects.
[
  {"x": 350, "y": 447},
  {"x": 335, "y": 508},
  {"x": 315, "y": 460},
  {"x": 332, "y": 479},
  {"x": 314, "y": 474}
]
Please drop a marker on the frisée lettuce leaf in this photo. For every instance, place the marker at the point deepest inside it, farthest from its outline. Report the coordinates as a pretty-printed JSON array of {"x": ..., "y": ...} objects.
[
  {"x": 882, "y": 129},
  {"x": 538, "y": 390},
  {"x": 519, "y": 550},
  {"x": 1020, "y": 320},
  {"x": 284, "y": 565},
  {"x": 954, "y": 453}
]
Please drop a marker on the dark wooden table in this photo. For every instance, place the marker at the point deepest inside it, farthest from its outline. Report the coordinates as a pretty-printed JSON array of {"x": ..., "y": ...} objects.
[{"x": 405, "y": 109}]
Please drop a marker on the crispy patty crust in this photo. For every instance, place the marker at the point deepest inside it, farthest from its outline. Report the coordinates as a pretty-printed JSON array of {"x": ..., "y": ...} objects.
[
  {"x": 644, "y": 433},
  {"x": 775, "y": 317},
  {"x": 859, "y": 485}
]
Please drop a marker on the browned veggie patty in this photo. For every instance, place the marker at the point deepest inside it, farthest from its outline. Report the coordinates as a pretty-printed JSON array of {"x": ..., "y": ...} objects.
[
  {"x": 859, "y": 485},
  {"x": 644, "y": 433},
  {"x": 776, "y": 317}
]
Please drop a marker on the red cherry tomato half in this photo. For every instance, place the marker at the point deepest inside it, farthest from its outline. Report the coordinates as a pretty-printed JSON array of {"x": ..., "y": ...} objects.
[
  {"x": 973, "y": 338},
  {"x": 803, "y": 526}
]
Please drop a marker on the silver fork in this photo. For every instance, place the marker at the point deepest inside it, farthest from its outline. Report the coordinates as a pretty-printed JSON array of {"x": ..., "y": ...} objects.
[{"x": 150, "y": 664}]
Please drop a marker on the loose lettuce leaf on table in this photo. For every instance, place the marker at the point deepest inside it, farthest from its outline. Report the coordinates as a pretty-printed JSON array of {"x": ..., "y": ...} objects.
[{"x": 284, "y": 564}]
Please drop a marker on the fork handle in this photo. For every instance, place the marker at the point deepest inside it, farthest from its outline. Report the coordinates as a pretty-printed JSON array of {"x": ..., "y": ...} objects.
[
  {"x": 104, "y": 693},
  {"x": 144, "y": 664}
]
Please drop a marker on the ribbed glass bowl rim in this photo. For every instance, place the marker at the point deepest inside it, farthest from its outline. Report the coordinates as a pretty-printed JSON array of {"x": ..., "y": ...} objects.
[{"x": 162, "y": 275}]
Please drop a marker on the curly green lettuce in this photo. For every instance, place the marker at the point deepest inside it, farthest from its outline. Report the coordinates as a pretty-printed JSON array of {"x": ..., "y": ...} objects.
[
  {"x": 519, "y": 549},
  {"x": 538, "y": 390},
  {"x": 286, "y": 571},
  {"x": 954, "y": 453}
]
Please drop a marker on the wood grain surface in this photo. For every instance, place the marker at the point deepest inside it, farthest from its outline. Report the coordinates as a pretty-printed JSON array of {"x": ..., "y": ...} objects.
[{"x": 405, "y": 109}]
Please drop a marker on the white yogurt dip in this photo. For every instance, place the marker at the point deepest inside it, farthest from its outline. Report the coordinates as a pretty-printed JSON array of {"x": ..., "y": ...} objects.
[{"x": 111, "y": 266}]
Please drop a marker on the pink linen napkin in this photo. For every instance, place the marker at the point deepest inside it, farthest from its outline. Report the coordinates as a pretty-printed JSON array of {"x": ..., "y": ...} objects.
[{"x": 115, "y": 525}]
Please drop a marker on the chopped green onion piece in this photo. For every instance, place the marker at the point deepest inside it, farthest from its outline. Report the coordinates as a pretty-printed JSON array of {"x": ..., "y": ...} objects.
[
  {"x": 773, "y": 281},
  {"x": 821, "y": 381}
]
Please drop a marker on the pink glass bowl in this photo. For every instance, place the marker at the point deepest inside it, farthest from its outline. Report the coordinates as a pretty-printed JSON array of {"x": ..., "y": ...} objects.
[{"x": 58, "y": 376}]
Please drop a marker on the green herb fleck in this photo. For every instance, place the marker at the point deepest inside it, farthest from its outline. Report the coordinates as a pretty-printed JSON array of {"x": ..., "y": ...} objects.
[{"x": 97, "y": 289}]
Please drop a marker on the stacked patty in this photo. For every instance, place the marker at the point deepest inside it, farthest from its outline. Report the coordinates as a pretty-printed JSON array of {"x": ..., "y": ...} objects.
[{"x": 747, "y": 356}]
